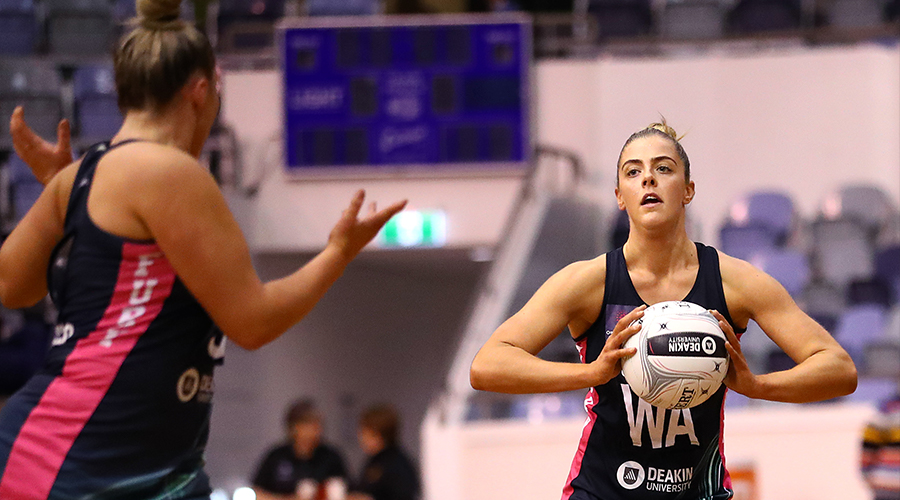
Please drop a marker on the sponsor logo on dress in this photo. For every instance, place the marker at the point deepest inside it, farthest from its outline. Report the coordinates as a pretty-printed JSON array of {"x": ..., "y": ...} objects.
[
  {"x": 62, "y": 333},
  {"x": 631, "y": 475},
  {"x": 188, "y": 385}
]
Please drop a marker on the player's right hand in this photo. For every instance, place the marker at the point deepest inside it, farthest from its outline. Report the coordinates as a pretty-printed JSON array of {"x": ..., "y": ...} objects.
[
  {"x": 351, "y": 234},
  {"x": 609, "y": 363}
]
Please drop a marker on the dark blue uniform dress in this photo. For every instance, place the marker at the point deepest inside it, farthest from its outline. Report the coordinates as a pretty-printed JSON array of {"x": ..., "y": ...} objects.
[
  {"x": 630, "y": 449},
  {"x": 121, "y": 407}
]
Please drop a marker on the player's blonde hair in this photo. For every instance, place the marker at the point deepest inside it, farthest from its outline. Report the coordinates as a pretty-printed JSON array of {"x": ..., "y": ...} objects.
[
  {"x": 661, "y": 129},
  {"x": 158, "y": 56}
]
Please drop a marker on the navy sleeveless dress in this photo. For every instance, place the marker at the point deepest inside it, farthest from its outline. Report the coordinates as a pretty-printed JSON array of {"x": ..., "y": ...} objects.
[
  {"x": 630, "y": 449},
  {"x": 121, "y": 407}
]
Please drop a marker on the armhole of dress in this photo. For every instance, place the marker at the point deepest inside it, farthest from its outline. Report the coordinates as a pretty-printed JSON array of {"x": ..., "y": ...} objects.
[
  {"x": 602, "y": 306},
  {"x": 720, "y": 289}
]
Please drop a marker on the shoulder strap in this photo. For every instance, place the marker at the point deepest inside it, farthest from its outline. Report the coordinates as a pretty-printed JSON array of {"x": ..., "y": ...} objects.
[{"x": 82, "y": 184}]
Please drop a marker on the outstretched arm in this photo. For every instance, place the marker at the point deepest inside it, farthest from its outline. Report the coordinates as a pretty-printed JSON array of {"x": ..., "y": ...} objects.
[
  {"x": 508, "y": 361},
  {"x": 210, "y": 255},
  {"x": 824, "y": 370},
  {"x": 44, "y": 159}
]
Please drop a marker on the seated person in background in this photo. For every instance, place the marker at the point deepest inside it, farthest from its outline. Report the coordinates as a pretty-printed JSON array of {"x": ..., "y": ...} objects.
[
  {"x": 881, "y": 451},
  {"x": 303, "y": 468},
  {"x": 389, "y": 474}
]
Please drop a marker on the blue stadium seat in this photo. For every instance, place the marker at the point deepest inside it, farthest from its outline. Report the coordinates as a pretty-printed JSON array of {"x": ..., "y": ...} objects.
[
  {"x": 745, "y": 242},
  {"x": 24, "y": 187},
  {"x": 761, "y": 16},
  {"x": 854, "y": 13},
  {"x": 36, "y": 85},
  {"x": 789, "y": 267},
  {"x": 887, "y": 267},
  {"x": 882, "y": 359},
  {"x": 772, "y": 209},
  {"x": 97, "y": 115},
  {"x": 79, "y": 27},
  {"x": 693, "y": 19},
  {"x": 18, "y": 27},
  {"x": 869, "y": 291},
  {"x": 859, "y": 326},
  {"x": 22, "y": 354},
  {"x": 342, "y": 7},
  {"x": 866, "y": 204},
  {"x": 621, "y": 18},
  {"x": 248, "y": 25},
  {"x": 842, "y": 250},
  {"x": 872, "y": 390},
  {"x": 823, "y": 301}
]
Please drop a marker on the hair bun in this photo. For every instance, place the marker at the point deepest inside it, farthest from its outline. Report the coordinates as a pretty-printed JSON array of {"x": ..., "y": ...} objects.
[
  {"x": 666, "y": 129},
  {"x": 158, "y": 14}
]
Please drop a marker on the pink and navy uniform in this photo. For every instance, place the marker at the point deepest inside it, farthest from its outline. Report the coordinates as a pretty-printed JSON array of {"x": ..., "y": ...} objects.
[
  {"x": 630, "y": 450},
  {"x": 120, "y": 409}
]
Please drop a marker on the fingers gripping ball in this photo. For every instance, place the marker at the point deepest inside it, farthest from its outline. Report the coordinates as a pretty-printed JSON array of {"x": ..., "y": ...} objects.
[{"x": 681, "y": 358}]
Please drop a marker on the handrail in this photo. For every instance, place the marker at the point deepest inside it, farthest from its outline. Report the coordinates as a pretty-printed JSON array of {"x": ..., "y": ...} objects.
[{"x": 521, "y": 224}]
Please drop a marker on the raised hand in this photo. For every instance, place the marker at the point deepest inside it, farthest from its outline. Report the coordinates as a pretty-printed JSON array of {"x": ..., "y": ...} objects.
[
  {"x": 608, "y": 363},
  {"x": 44, "y": 159},
  {"x": 351, "y": 234}
]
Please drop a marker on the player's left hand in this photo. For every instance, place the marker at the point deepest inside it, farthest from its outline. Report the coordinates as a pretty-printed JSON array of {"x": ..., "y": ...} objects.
[
  {"x": 351, "y": 234},
  {"x": 44, "y": 159},
  {"x": 739, "y": 377}
]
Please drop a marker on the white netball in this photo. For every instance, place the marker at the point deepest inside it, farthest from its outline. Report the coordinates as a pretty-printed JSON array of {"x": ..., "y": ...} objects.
[{"x": 681, "y": 358}]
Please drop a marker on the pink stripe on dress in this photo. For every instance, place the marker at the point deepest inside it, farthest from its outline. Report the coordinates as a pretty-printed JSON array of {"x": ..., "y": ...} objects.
[
  {"x": 589, "y": 401},
  {"x": 144, "y": 282}
]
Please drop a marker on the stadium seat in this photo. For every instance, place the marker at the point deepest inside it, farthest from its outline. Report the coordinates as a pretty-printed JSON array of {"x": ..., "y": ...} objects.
[
  {"x": 18, "y": 27},
  {"x": 36, "y": 85},
  {"x": 842, "y": 250},
  {"x": 868, "y": 205},
  {"x": 789, "y": 267},
  {"x": 869, "y": 291},
  {"x": 22, "y": 353},
  {"x": 771, "y": 209},
  {"x": 692, "y": 19},
  {"x": 342, "y": 7},
  {"x": 892, "y": 11},
  {"x": 882, "y": 359},
  {"x": 872, "y": 390},
  {"x": 248, "y": 25},
  {"x": 621, "y": 18},
  {"x": 854, "y": 13},
  {"x": 79, "y": 27},
  {"x": 745, "y": 242},
  {"x": 97, "y": 115},
  {"x": 859, "y": 326},
  {"x": 823, "y": 301},
  {"x": 757, "y": 347},
  {"x": 23, "y": 186},
  {"x": 887, "y": 267},
  {"x": 761, "y": 16}
]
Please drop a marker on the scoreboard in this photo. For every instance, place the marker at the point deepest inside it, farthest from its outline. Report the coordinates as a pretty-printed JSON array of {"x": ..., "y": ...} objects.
[{"x": 422, "y": 94}]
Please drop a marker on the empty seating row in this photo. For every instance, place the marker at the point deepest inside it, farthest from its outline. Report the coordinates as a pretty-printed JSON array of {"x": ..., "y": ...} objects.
[{"x": 38, "y": 86}]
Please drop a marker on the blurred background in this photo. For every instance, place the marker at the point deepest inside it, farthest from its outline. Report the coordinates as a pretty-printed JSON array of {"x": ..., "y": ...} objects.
[{"x": 501, "y": 122}]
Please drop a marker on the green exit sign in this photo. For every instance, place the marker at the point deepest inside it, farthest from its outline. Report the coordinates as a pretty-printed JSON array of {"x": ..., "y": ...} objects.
[{"x": 415, "y": 228}]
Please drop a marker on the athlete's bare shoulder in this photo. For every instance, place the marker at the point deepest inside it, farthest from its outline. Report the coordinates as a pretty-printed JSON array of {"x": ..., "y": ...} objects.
[
  {"x": 581, "y": 285},
  {"x": 745, "y": 286}
]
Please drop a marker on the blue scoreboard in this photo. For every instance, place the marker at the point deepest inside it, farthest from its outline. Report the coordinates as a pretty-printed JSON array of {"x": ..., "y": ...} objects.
[{"x": 427, "y": 94}]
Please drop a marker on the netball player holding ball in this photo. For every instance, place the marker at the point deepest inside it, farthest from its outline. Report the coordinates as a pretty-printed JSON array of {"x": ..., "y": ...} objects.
[
  {"x": 629, "y": 449},
  {"x": 148, "y": 269}
]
